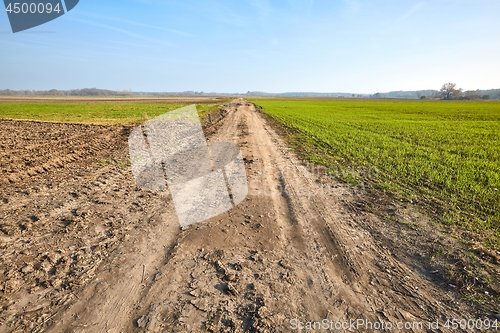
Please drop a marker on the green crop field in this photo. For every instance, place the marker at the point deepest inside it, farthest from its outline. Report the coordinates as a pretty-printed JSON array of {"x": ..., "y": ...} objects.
[
  {"x": 100, "y": 113},
  {"x": 446, "y": 154}
]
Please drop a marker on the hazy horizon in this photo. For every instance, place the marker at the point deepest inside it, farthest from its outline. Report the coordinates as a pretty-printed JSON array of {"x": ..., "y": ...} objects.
[{"x": 354, "y": 46}]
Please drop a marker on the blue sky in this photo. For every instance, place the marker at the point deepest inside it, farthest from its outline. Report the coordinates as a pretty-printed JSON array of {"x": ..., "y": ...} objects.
[{"x": 357, "y": 46}]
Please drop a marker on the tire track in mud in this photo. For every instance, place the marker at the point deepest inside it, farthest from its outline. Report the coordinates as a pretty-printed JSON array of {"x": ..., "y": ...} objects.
[
  {"x": 60, "y": 226},
  {"x": 362, "y": 261},
  {"x": 41, "y": 146},
  {"x": 292, "y": 254},
  {"x": 293, "y": 248}
]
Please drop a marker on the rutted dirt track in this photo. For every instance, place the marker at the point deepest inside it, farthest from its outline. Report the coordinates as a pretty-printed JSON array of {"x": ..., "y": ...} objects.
[{"x": 84, "y": 250}]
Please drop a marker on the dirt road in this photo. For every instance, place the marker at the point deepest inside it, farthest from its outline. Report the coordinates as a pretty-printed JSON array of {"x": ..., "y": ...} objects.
[{"x": 84, "y": 250}]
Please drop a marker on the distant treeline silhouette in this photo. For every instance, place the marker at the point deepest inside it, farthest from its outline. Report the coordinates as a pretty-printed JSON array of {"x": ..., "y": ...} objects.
[
  {"x": 435, "y": 94},
  {"x": 95, "y": 92},
  {"x": 74, "y": 92}
]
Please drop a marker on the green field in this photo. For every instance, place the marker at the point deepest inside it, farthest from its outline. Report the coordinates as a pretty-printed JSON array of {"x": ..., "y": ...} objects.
[
  {"x": 99, "y": 113},
  {"x": 444, "y": 154}
]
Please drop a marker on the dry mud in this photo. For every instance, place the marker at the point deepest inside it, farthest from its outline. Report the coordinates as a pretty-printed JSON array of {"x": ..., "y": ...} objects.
[{"x": 85, "y": 250}]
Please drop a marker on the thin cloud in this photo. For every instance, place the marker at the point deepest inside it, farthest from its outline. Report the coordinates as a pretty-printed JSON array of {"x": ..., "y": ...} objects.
[
  {"x": 351, "y": 7},
  {"x": 123, "y": 31},
  {"x": 263, "y": 7},
  {"x": 414, "y": 9},
  {"x": 137, "y": 24}
]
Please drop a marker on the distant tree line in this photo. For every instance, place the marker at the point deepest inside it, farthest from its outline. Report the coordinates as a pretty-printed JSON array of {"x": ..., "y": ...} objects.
[
  {"x": 94, "y": 92},
  {"x": 449, "y": 91},
  {"x": 417, "y": 94},
  {"x": 75, "y": 92}
]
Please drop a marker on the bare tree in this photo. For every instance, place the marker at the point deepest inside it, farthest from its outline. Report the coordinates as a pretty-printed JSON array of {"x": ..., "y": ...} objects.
[{"x": 449, "y": 91}]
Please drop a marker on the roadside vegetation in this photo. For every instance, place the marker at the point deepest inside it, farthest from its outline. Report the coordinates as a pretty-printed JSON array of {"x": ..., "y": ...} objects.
[{"x": 444, "y": 155}]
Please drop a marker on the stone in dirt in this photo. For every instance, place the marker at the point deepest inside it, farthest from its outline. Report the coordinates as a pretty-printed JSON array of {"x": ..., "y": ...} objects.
[{"x": 142, "y": 321}]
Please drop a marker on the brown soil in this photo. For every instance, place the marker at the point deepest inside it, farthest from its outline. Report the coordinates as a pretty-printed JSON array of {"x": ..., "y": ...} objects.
[{"x": 85, "y": 250}]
